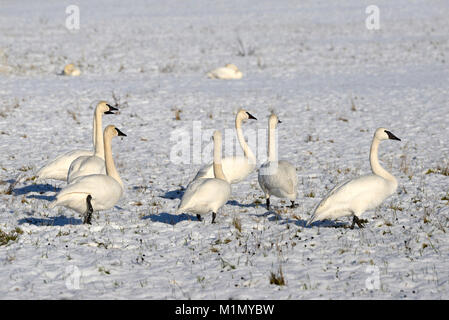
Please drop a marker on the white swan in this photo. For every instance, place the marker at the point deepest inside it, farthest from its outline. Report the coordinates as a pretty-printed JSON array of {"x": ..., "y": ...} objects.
[
  {"x": 71, "y": 70},
  {"x": 59, "y": 167},
  {"x": 228, "y": 72},
  {"x": 355, "y": 196},
  {"x": 208, "y": 194},
  {"x": 93, "y": 164},
  {"x": 94, "y": 192},
  {"x": 277, "y": 178},
  {"x": 235, "y": 168}
]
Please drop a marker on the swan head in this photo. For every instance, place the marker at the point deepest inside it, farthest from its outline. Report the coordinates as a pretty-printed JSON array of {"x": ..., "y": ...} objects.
[
  {"x": 237, "y": 73},
  {"x": 273, "y": 121},
  {"x": 244, "y": 115},
  {"x": 104, "y": 107},
  {"x": 385, "y": 134},
  {"x": 112, "y": 131},
  {"x": 232, "y": 67}
]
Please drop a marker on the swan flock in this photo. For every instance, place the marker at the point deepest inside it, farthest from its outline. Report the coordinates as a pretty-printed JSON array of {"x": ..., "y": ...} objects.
[{"x": 94, "y": 184}]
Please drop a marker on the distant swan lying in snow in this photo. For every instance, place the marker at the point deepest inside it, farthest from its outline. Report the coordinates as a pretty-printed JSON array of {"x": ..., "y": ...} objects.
[
  {"x": 235, "y": 168},
  {"x": 355, "y": 196},
  {"x": 277, "y": 178},
  {"x": 93, "y": 164},
  {"x": 71, "y": 70},
  {"x": 58, "y": 168},
  {"x": 208, "y": 194},
  {"x": 229, "y": 71},
  {"x": 94, "y": 192}
]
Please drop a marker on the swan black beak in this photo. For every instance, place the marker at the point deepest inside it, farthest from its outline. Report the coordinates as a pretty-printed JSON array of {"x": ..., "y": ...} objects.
[
  {"x": 120, "y": 133},
  {"x": 111, "y": 108},
  {"x": 250, "y": 116},
  {"x": 391, "y": 136}
]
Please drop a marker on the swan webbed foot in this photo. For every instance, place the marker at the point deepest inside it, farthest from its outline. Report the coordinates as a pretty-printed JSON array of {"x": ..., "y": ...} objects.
[
  {"x": 213, "y": 217},
  {"x": 359, "y": 222},
  {"x": 293, "y": 205},
  {"x": 89, "y": 211},
  {"x": 268, "y": 204},
  {"x": 199, "y": 217}
]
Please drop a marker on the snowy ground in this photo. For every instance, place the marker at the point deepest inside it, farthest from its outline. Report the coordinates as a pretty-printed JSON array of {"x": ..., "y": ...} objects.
[{"x": 331, "y": 81}]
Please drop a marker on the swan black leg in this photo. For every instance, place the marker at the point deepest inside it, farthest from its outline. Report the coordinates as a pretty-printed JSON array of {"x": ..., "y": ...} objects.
[
  {"x": 213, "y": 217},
  {"x": 268, "y": 204},
  {"x": 359, "y": 222},
  {"x": 293, "y": 205},
  {"x": 199, "y": 217},
  {"x": 89, "y": 211}
]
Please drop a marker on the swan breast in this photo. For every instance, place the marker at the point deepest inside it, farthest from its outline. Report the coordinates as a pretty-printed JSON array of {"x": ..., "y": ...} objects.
[
  {"x": 279, "y": 179},
  {"x": 105, "y": 192},
  {"x": 358, "y": 195},
  {"x": 205, "y": 195}
]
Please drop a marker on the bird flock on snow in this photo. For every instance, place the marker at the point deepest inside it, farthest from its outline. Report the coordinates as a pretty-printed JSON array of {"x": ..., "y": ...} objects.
[{"x": 94, "y": 184}]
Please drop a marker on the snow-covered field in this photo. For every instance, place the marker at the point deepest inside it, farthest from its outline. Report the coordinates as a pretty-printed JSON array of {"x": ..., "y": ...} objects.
[{"x": 331, "y": 81}]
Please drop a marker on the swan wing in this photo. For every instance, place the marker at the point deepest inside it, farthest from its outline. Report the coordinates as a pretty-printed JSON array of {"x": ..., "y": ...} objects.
[
  {"x": 235, "y": 169},
  {"x": 84, "y": 166},
  {"x": 282, "y": 181},
  {"x": 105, "y": 192},
  {"x": 352, "y": 197},
  {"x": 59, "y": 167}
]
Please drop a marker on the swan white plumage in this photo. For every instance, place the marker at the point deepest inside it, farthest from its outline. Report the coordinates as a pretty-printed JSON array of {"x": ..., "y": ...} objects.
[
  {"x": 235, "y": 168},
  {"x": 71, "y": 70},
  {"x": 228, "y": 72},
  {"x": 277, "y": 178},
  {"x": 353, "y": 197},
  {"x": 94, "y": 192},
  {"x": 207, "y": 194},
  {"x": 93, "y": 164},
  {"x": 59, "y": 167}
]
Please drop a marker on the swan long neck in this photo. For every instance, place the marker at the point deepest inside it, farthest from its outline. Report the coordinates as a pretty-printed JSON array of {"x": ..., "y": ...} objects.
[
  {"x": 111, "y": 170},
  {"x": 272, "y": 152},
  {"x": 246, "y": 150},
  {"x": 218, "y": 168},
  {"x": 375, "y": 165},
  {"x": 98, "y": 136}
]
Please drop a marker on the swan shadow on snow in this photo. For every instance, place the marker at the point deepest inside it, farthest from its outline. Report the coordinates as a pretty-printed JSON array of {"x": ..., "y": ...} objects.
[
  {"x": 243, "y": 205},
  {"x": 41, "y": 197},
  {"x": 168, "y": 218},
  {"x": 51, "y": 221},
  {"x": 174, "y": 194},
  {"x": 38, "y": 188},
  {"x": 273, "y": 216}
]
